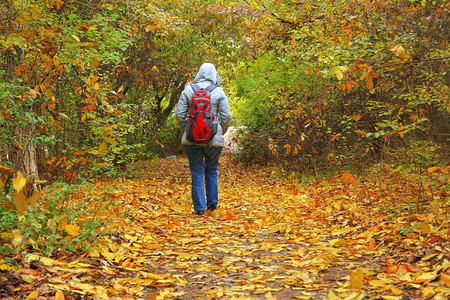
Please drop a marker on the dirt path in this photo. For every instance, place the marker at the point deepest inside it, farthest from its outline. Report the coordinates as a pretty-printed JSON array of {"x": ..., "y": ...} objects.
[{"x": 270, "y": 239}]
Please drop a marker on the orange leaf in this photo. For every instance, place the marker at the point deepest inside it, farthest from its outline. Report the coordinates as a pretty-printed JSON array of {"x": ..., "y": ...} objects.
[
  {"x": 355, "y": 83},
  {"x": 229, "y": 215},
  {"x": 372, "y": 245},
  {"x": 391, "y": 269},
  {"x": 411, "y": 269},
  {"x": 352, "y": 250},
  {"x": 51, "y": 105},
  {"x": 347, "y": 176},
  {"x": 344, "y": 87},
  {"x": 357, "y": 117},
  {"x": 369, "y": 82},
  {"x": 349, "y": 85}
]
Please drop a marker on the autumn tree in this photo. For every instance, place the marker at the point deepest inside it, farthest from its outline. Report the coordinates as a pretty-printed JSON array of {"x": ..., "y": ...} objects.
[
  {"x": 88, "y": 84},
  {"x": 361, "y": 79}
]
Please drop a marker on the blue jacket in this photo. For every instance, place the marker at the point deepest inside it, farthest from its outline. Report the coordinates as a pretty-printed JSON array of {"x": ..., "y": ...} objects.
[{"x": 206, "y": 76}]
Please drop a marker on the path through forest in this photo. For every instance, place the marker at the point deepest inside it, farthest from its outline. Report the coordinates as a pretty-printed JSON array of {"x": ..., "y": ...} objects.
[{"x": 272, "y": 238}]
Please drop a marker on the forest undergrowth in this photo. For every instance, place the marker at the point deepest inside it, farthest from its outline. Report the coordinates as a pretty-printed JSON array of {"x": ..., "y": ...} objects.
[{"x": 273, "y": 237}]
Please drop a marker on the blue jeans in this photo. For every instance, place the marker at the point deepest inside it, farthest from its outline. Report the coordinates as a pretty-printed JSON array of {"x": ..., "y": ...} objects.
[{"x": 203, "y": 162}]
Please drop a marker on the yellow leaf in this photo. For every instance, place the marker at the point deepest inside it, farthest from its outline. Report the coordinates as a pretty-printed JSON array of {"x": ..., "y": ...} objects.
[
  {"x": 356, "y": 279},
  {"x": 425, "y": 277},
  {"x": 33, "y": 198},
  {"x": 76, "y": 38},
  {"x": 398, "y": 50},
  {"x": 48, "y": 261},
  {"x": 21, "y": 201},
  {"x": 396, "y": 290},
  {"x": 112, "y": 141},
  {"x": 446, "y": 279},
  {"x": 294, "y": 42},
  {"x": 94, "y": 253},
  {"x": 377, "y": 283},
  {"x": 33, "y": 295},
  {"x": 332, "y": 295},
  {"x": 19, "y": 181},
  {"x": 102, "y": 148},
  {"x": 433, "y": 169},
  {"x": 17, "y": 238},
  {"x": 72, "y": 230},
  {"x": 339, "y": 72},
  {"x": 5, "y": 267},
  {"x": 59, "y": 295},
  {"x": 425, "y": 228},
  {"x": 94, "y": 63}
]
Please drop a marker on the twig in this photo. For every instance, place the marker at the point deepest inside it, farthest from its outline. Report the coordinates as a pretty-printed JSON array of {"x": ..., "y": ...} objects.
[{"x": 414, "y": 62}]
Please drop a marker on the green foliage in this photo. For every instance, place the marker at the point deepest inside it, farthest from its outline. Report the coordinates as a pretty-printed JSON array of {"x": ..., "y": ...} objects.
[
  {"x": 92, "y": 84},
  {"x": 280, "y": 109},
  {"x": 42, "y": 227}
]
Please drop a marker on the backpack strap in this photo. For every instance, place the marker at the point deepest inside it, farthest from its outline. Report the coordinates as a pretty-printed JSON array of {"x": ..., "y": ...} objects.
[
  {"x": 195, "y": 87},
  {"x": 210, "y": 88}
]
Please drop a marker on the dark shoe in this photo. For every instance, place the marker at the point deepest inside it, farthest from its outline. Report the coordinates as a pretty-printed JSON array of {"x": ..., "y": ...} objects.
[
  {"x": 212, "y": 208},
  {"x": 200, "y": 212}
]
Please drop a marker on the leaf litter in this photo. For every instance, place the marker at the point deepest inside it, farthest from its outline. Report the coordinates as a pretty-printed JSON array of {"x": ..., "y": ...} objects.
[{"x": 271, "y": 238}]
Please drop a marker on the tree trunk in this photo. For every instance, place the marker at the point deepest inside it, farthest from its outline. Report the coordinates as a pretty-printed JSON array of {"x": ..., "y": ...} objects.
[
  {"x": 24, "y": 155},
  {"x": 162, "y": 115}
]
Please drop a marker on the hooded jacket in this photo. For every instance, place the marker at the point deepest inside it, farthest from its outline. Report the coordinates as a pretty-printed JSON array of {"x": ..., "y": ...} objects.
[{"x": 206, "y": 76}]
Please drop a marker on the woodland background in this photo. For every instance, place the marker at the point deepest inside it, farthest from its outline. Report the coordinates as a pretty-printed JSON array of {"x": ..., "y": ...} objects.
[
  {"x": 317, "y": 88},
  {"x": 89, "y": 86}
]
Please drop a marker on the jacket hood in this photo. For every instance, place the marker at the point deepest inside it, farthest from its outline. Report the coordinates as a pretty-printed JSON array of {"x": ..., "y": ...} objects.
[{"x": 208, "y": 73}]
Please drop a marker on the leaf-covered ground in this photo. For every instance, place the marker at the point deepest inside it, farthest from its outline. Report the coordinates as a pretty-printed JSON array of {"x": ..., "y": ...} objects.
[{"x": 272, "y": 238}]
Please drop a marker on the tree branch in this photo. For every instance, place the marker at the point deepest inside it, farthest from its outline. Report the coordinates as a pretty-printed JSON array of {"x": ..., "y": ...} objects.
[{"x": 414, "y": 62}]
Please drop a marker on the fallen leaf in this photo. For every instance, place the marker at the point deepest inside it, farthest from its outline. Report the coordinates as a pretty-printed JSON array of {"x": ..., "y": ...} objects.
[
  {"x": 391, "y": 269},
  {"x": 59, "y": 295},
  {"x": 72, "y": 230},
  {"x": 33, "y": 295},
  {"x": 357, "y": 279}
]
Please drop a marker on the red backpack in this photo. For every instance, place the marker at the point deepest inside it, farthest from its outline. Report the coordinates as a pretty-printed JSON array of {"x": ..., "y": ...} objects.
[{"x": 202, "y": 124}]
